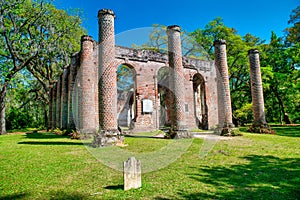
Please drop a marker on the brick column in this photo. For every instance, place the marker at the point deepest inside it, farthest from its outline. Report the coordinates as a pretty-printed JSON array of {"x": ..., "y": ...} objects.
[
  {"x": 107, "y": 87},
  {"x": 58, "y": 102},
  {"x": 50, "y": 118},
  {"x": 176, "y": 83},
  {"x": 75, "y": 101},
  {"x": 64, "y": 99},
  {"x": 87, "y": 121},
  {"x": 257, "y": 92},
  {"x": 71, "y": 91},
  {"x": 224, "y": 99},
  {"x": 54, "y": 110}
]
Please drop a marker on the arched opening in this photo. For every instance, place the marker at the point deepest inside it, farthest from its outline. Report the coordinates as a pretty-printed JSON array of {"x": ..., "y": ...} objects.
[
  {"x": 126, "y": 89},
  {"x": 200, "y": 102},
  {"x": 164, "y": 93}
]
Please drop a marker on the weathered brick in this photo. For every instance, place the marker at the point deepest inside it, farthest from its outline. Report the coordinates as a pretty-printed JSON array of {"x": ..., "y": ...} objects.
[
  {"x": 256, "y": 89},
  {"x": 64, "y": 99},
  {"x": 225, "y": 112},
  {"x": 200, "y": 88},
  {"x": 87, "y": 88},
  {"x": 58, "y": 102}
]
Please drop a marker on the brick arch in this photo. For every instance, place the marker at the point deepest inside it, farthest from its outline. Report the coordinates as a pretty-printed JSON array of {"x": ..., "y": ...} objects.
[
  {"x": 200, "y": 102},
  {"x": 129, "y": 65},
  {"x": 126, "y": 101}
]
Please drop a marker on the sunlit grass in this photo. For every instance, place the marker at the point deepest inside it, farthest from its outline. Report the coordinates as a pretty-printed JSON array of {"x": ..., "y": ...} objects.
[{"x": 254, "y": 166}]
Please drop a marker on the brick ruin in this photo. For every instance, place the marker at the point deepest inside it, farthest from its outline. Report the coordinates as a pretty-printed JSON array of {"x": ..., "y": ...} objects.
[
  {"x": 259, "y": 124},
  {"x": 169, "y": 90}
]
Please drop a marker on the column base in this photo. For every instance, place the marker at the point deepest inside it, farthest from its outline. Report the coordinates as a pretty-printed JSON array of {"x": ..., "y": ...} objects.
[
  {"x": 227, "y": 130},
  {"x": 179, "y": 134},
  {"x": 262, "y": 128},
  {"x": 86, "y": 134},
  {"x": 108, "y": 138}
]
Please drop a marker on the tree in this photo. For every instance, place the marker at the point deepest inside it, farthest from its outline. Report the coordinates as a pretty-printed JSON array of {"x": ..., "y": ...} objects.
[
  {"x": 125, "y": 78},
  {"x": 23, "y": 106},
  {"x": 63, "y": 39},
  {"x": 293, "y": 32},
  {"x": 283, "y": 91},
  {"x": 158, "y": 41},
  {"x": 36, "y": 36}
]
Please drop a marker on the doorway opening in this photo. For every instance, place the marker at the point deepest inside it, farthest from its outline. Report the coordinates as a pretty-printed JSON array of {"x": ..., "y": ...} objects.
[
  {"x": 126, "y": 90},
  {"x": 200, "y": 106}
]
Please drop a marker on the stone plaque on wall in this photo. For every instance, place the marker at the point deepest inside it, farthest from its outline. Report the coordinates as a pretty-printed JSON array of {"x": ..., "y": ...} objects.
[{"x": 147, "y": 106}]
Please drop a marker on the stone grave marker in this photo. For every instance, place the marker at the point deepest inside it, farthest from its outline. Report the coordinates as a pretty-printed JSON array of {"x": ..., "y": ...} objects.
[{"x": 132, "y": 174}]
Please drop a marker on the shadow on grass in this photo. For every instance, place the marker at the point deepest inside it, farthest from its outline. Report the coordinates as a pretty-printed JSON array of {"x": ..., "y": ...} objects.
[
  {"x": 53, "y": 195},
  {"x": 264, "y": 177},
  {"x": 44, "y": 135},
  {"x": 14, "y": 196},
  {"x": 161, "y": 198},
  {"x": 143, "y": 136},
  {"x": 115, "y": 187},
  {"x": 50, "y": 143},
  {"x": 61, "y": 195},
  {"x": 290, "y": 131}
]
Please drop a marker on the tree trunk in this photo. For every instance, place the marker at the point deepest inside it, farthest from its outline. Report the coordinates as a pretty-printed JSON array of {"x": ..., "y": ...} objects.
[
  {"x": 286, "y": 119},
  {"x": 2, "y": 112}
]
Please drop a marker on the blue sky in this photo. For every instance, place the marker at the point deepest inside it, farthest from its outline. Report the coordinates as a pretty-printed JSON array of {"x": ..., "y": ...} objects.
[{"x": 258, "y": 17}]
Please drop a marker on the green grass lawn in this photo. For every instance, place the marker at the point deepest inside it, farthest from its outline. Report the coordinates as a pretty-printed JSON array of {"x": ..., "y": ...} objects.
[{"x": 254, "y": 166}]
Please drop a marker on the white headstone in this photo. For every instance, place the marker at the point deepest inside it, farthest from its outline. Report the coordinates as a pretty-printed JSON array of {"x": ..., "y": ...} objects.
[{"x": 132, "y": 174}]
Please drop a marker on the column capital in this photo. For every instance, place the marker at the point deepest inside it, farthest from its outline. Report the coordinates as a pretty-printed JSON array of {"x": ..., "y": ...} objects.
[
  {"x": 105, "y": 12},
  {"x": 219, "y": 42},
  {"x": 86, "y": 38},
  {"x": 253, "y": 51},
  {"x": 174, "y": 28}
]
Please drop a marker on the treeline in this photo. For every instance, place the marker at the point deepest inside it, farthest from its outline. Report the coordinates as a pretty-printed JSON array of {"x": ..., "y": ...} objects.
[{"x": 37, "y": 40}]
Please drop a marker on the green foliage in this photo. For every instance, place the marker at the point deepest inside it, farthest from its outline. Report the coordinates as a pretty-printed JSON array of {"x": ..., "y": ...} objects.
[
  {"x": 293, "y": 36},
  {"x": 280, "y": 66},
  {"x": 22, "y": 107},
  {"x": 158, "y": 41},
  {"x": 16, "y": 120},
  {"x": 244, "y": 114},
  {"x": 281, "y": 89},
  {"x": 125, "y": 78},
  {"x": 35, "y": 36}
]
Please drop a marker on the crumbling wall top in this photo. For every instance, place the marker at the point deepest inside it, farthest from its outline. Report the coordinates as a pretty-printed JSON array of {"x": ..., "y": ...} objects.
[
  {"x": 106, "y": 12},
  {"x": 219, "y": 42},
  {"x": 174, "y": 28},
  {"x": 148, "y": 55}
]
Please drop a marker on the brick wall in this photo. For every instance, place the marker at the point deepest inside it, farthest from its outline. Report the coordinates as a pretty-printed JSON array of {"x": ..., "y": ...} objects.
[{"x": 92, "y": 85}]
